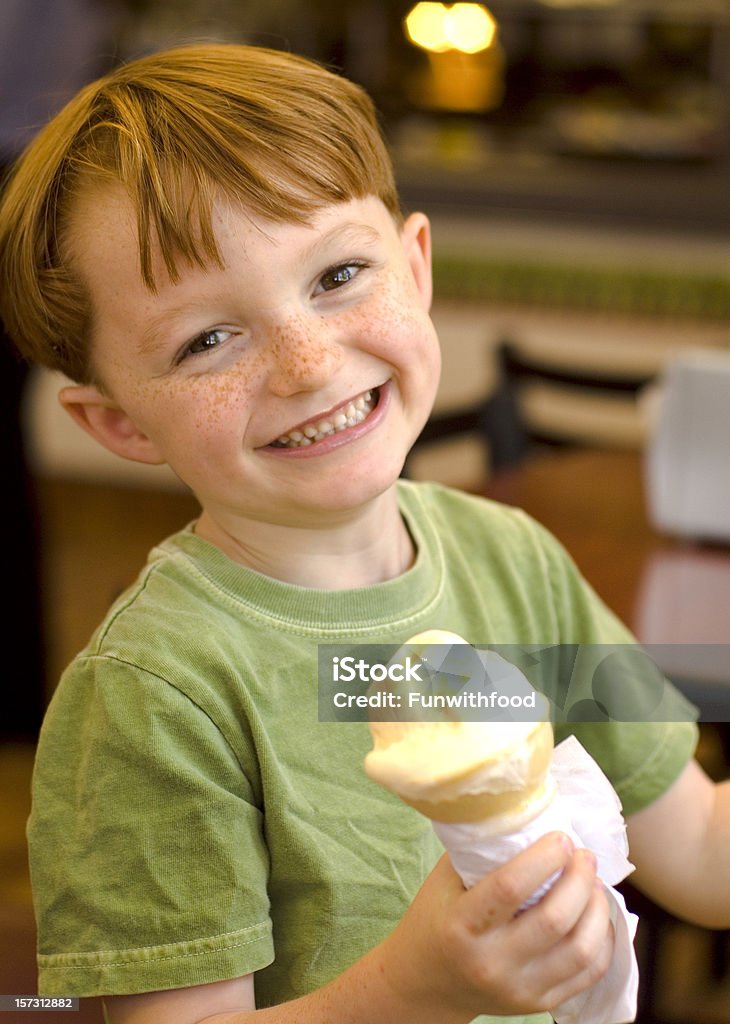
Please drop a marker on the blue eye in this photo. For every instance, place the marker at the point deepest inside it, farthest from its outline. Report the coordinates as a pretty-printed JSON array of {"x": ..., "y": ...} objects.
[
  {"x": 206, "y": 341},
  {"x": 340, "y": 275}
]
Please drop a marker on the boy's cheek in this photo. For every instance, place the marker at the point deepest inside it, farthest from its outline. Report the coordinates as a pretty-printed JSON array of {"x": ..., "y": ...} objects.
[
  {"x": 400, "y": 312},
  {"x": 217, "y": 390}
]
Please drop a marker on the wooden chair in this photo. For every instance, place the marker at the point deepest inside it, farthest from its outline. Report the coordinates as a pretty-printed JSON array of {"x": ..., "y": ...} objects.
[
  {"x": 543, "y": 401},
  {"x": 539, "y": 401}
]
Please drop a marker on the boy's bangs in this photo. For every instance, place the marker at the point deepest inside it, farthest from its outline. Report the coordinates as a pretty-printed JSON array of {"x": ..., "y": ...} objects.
[
  {"x": 281, "y": 157},
  {"x": 174, "y": 201}
]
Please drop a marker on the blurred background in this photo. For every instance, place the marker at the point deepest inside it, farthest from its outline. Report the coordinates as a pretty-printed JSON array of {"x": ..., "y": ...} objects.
[{"x": 574, "y": 159}]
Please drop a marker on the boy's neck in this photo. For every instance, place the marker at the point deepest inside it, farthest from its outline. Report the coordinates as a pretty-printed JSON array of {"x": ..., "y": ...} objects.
[{"x": 368, "y": 547}]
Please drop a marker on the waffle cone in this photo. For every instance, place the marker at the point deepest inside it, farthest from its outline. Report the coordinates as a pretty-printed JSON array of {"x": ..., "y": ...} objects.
[{"x": 512, "y": 806}]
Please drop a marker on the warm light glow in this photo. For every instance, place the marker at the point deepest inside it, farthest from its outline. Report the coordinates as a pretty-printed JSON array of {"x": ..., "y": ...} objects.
[
  {"x": 424, "y": 27},
  {"x": 437, "y": 27},
  {"x": 470, "y": 27}
]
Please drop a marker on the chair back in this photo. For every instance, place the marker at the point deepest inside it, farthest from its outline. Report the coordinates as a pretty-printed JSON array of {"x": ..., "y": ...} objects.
[{"x": 543, "y": 401}]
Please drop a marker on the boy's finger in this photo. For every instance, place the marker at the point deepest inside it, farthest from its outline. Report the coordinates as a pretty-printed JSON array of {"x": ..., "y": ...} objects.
[
  {"x": 559, "y": 912},
  {"x": 585, "y": 955},
  {"x": 500, "y": 894}
]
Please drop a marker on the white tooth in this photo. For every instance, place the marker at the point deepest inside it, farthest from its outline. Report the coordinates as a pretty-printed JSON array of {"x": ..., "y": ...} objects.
[{"x": 355, "y": 412}]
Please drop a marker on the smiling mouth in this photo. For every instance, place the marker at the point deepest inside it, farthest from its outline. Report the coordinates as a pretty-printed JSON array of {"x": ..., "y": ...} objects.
[{"x": 346, "y": 416}]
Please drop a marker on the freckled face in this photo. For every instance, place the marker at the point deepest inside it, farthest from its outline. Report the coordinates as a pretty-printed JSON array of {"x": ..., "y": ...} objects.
[{"x": 286, "y": 384}]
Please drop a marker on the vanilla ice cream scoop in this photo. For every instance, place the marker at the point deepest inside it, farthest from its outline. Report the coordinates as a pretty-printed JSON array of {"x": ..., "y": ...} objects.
[{"x": 495, "y": 772}]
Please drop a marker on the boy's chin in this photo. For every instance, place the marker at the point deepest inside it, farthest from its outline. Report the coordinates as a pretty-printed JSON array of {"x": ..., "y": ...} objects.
[{"x": 349, "y": 496}]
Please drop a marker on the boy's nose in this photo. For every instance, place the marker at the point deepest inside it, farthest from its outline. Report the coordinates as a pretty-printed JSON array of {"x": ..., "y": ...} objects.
[{"x": 304, "y": 357}]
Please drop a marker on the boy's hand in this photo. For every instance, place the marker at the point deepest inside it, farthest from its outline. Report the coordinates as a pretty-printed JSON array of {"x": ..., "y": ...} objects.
[{"x": 465, "y": 952}]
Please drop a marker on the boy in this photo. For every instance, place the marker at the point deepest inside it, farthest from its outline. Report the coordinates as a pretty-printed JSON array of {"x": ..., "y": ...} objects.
[{"x": 209, "y": 243}]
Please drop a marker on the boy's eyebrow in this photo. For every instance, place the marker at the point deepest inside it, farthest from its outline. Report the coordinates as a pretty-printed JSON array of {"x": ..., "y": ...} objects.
[
  {"x": 354, "y": 232},
  {"x": 148, "y": 339}
]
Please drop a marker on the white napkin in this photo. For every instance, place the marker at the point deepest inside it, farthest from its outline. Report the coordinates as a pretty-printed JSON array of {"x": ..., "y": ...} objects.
[{"x": 587, "y": 809}]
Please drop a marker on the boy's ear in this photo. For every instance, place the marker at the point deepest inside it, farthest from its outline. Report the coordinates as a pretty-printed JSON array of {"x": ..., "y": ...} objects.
[
  {"x": 108, "y": 424},
  {"x": 416, "y": 238}
]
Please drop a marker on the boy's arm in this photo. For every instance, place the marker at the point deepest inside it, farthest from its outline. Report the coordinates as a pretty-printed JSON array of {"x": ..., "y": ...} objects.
[
  {"x": 455, "y": 954},
  {"x": 679, "y": 845}
]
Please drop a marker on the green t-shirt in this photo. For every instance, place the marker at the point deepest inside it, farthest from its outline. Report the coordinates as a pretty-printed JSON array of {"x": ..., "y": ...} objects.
[{"x": 193, "y": 820}]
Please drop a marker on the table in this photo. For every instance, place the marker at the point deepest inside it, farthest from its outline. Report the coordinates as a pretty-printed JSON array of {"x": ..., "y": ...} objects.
[{"x": 673, "y": 594}]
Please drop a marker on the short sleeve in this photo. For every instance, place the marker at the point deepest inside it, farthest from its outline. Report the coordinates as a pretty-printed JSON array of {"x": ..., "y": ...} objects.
[
  {"x": 642, "y": 758},
  {"x": 149, "y": 868}
]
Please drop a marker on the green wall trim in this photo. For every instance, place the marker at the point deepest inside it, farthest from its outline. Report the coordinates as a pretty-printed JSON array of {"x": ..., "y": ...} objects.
[{"x": 654, "y": 293}]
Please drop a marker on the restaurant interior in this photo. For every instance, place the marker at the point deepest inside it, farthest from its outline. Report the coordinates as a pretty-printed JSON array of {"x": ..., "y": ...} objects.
[{"x": 573, "y": 156}]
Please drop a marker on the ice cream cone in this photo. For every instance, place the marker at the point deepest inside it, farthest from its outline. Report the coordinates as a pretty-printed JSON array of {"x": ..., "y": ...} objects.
[
  {"x": 494, "y": 772},
  {"x": 490, "y": 792}
]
